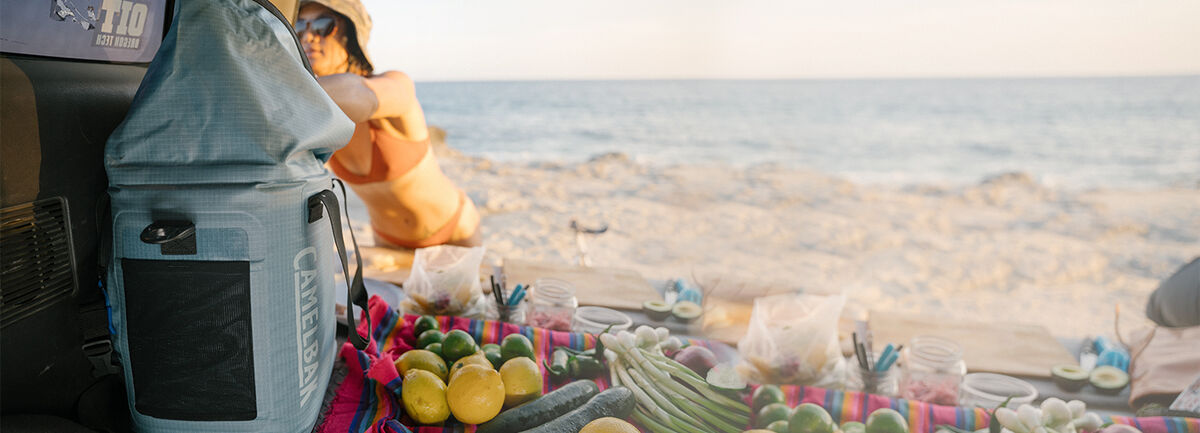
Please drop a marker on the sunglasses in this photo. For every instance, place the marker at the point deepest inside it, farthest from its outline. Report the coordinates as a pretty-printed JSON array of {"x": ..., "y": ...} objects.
[{"x": 321, "y": 26}]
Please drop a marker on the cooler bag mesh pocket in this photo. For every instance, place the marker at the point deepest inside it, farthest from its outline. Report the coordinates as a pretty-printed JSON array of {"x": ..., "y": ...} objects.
[{"x": 190, "y": 345}]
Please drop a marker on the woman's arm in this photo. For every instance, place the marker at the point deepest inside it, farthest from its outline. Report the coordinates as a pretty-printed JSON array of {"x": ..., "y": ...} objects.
[{"x": 388, "y": 95}]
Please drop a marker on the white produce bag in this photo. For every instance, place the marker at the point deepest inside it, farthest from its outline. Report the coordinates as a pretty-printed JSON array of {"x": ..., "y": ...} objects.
[
  {"x": 792, "y": 339},
  {"x": 444, "y": 280}
]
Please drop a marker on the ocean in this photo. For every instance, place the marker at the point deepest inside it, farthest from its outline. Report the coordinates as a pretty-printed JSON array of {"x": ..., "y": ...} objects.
[{"x": 1075, "y": 133}]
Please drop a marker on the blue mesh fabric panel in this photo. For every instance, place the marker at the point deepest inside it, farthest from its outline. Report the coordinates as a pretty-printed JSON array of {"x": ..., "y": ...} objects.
[{"x": 190, "y": 345}]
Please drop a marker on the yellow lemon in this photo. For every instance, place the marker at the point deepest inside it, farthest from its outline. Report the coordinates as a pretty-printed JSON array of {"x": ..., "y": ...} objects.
[
  {"x": 421, "y": 360},
  {"x": 522, "y": 381},
  {"x": 476, "y": 394},
  {"x": 479, "y": 358},
  {"x": 609, "y": 424},
  {"x": 424, "y": 397}
]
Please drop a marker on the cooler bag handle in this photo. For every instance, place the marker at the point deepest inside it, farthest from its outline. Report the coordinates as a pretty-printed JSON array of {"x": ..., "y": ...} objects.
[{"x": 356, "y": 293}]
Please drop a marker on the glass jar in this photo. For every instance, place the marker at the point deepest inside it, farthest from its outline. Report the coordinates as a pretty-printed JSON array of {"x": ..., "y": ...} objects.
[
  {"x": 884, "y": 383},
  {"x": 514, "y": 314},
  {"x": 931, "y": 370},
  {"x": 552, "y": 304},
  {"x": 989, "y": 390}
]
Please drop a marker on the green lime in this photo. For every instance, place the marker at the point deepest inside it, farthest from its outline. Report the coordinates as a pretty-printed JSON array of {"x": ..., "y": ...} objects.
[
  {"x": 771, "y": 413},
  {"x": 492, "y": 352},
  {"x": 515, "y": 346},
  {"x": 886, "y": 421},
  {"x": 436, "y": 348},
  {"x": 457, "y": 344},
  {"x": 425, "y": 323},
  {"x": 767, "y": 394},
  {"x": 780, "y": 426},
  {"x": 810, "y": 418},
  {"x": 853, "y": 427},
  {"x": 429, "y": 337}
]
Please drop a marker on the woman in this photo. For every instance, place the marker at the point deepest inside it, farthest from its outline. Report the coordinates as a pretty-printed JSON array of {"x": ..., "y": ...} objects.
[{"x": 389, "y": 162}]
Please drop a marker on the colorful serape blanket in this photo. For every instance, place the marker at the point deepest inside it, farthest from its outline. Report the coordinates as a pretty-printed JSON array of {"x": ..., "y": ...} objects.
[
  {"x": 926, "y": 417},
  {"x": 368, "y": 399}
]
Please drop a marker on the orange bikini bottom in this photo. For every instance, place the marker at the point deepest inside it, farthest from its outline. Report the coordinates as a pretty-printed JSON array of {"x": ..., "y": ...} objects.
[{"x": 439, "y": 237}]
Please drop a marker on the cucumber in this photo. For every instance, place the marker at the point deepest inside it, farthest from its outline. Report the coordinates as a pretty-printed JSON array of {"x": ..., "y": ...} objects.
[
  {"x": 542, "y": 410},
  {"x": 615, "y": 402}
]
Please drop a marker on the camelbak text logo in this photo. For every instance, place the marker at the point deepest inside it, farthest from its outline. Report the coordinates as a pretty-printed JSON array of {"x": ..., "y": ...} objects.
[{"x": 306, "y": 320}]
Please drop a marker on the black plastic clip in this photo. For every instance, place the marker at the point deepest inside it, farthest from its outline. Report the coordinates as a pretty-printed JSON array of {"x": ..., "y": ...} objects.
[{"x": 175, "y": 237}]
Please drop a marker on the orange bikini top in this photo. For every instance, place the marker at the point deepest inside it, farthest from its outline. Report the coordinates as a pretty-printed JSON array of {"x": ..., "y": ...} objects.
[{"x": 391, "y": 157}]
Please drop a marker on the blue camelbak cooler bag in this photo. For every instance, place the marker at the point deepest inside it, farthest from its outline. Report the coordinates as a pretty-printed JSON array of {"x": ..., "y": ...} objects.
[{"x": 225, "y": 230}]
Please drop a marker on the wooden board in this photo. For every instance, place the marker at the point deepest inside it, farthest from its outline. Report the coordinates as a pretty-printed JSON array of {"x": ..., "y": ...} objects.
[
  {"x": 727, "y": 320},
  {"x": 393, "y": 265},
  {"x": 1005, "y": 348},
  {"x": 606, "y": 287},
  {"x": 386, "y": 264}
]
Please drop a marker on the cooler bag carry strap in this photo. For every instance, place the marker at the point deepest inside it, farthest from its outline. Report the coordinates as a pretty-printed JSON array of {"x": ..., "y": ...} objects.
[
  {"x": 95, "y": 314},
  {"x": 356, "y": 293}
]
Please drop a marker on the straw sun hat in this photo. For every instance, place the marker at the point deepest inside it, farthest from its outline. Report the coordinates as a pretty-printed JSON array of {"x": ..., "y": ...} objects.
[{"x": 357, "y": 14}]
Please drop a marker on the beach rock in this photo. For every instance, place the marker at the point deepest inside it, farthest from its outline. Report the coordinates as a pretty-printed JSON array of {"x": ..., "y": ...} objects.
[
  {"x": 1008, "y": 190},
  {"x": 1010, "y": 178},
  {"x": 610, "y": 157},
  {"x": 437, "y": 138},
  {"x": 609, "y": 166}
]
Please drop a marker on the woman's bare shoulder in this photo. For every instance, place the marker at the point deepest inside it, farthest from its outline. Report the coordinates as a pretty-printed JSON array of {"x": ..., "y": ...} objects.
[
  {"x": 398, "y": 104},
  {"x": 397, "y": 78}
]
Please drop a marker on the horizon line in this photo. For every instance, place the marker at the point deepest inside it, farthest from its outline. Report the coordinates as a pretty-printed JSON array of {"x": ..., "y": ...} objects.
[{"x": 815, "y": 78}]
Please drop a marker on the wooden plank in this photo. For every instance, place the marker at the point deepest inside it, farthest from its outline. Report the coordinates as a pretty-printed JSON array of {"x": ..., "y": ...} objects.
[
  {"x": 1005, "y": 348},
  {"x": 606, "y": 287},
  {"x": 394, "y": 264},
  {"x": 386, "y": 264},
  {"x": 727, "y": 320}
]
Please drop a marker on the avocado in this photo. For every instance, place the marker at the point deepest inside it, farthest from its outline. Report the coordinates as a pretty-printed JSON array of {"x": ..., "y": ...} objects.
[
  {"x": 686, "y": 311},
  {"x": 1108, "y": 379},
  {"x": 1069, "y": 377},
  {"x": 656, "y": 310}
]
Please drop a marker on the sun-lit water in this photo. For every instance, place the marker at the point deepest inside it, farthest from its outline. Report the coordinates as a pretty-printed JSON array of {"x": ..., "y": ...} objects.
[{"x": 1141, "y": 132}]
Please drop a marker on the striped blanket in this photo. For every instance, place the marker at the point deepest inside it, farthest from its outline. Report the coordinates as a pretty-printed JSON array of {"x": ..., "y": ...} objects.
[{"x": 367, "y": 400}]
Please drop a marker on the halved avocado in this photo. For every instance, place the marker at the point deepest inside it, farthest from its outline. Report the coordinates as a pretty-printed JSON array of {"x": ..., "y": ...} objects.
[
  {"x": 1069, "y": 377},
  {"x": 686, "y": 311},
  {"x": 656, "y": 310},
  {"x": 1108, "y": 379},
  {"x": 725, "y": 378}
]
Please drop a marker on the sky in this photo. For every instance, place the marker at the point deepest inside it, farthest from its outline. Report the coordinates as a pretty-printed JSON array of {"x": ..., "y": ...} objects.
[{"x": 453, "y": 40}]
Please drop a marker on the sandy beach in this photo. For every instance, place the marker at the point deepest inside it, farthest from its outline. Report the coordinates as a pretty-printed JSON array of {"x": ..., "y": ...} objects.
[{"x": 1006, "y": 249}]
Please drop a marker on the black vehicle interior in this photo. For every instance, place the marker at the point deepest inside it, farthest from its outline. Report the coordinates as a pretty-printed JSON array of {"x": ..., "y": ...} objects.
[{"x": 56, "y": 113}]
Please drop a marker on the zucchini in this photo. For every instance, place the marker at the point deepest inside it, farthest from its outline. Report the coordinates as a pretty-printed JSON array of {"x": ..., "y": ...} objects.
[
  {"x": 542, "y": 410},
  {"x": 615, "y": 402}
]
